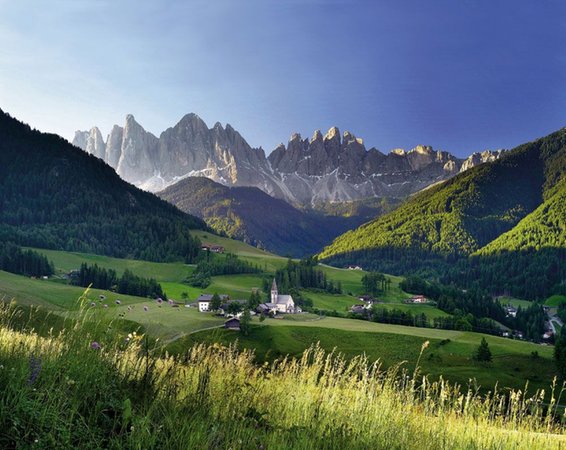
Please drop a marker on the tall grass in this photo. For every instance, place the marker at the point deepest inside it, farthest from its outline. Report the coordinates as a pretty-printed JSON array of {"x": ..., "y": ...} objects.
[{"x": 60, "y": 390}]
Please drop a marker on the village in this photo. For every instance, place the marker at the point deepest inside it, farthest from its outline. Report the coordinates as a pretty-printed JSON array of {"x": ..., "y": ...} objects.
[{"x": 222, "y": 305}]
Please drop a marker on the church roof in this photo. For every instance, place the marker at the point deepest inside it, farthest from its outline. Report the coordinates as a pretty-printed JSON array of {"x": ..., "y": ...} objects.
[{"x": 284, "y": 298}]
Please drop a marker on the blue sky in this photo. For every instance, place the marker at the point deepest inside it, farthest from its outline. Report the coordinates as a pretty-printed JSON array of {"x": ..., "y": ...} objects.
[{"x": 461, "y": 76}]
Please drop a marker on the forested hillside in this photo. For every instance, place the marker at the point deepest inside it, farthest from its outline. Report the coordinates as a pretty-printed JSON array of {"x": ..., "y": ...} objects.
[
  {"x": 251, "y": 215},
  {"x": 54, "y": 195},
  {"x": 509, "y": 214}
]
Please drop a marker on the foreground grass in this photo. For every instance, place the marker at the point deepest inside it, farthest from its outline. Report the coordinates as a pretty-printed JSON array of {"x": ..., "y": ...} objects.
[
  {"x": 60, "y": 392},
  {"x": 449, "y": 353}
]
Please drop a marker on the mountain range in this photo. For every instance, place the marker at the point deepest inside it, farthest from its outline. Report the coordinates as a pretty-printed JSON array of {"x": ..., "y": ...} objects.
[{"x": 311, "y": 172}]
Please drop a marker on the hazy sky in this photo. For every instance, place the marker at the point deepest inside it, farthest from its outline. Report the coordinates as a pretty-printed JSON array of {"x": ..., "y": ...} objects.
[{"x": 458, "y": 75}]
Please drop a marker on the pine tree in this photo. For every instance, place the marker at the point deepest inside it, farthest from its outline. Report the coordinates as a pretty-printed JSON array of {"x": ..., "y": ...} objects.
[
  {"x": 245, "y": 322},
  {"x": 216, "y": 302},
  {"x": 483, "y": 353}
]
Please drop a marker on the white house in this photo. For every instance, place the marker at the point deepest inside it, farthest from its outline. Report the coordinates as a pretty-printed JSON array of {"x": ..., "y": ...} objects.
[
  {"x": 281, "y": 303},
  {"x": 205, "y": 300}
]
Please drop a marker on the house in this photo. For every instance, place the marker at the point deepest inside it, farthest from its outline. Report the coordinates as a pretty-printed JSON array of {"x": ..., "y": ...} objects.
[
  {"x": 354, "y": 268},
  {"x": 232, "y": 324},
  {"x": 419, "y": 299},
  {"x": 358, "y": 309},
  {"x": 510, "y": 311},
  {"x": 204, "y": 301},
  {"x": 212, "y": 248},
  {"x": 281, "y": 303}
]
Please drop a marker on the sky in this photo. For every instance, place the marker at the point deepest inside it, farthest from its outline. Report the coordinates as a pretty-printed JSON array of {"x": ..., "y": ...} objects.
[{"x": 462, "y": 76}]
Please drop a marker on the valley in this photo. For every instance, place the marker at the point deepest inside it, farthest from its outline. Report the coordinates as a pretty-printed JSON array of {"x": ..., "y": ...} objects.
[{"x": 179, "y": 328}]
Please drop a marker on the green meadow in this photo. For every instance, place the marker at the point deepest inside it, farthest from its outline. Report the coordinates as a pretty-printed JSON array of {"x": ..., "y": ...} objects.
[{"x": 177, "y": 328}]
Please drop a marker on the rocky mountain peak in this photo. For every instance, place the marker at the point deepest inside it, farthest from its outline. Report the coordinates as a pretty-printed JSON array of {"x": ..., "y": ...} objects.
[
  {"x": 422, "y": 149},
  {"x": 332, "y": 134},
  {"x": 317, "y": 136},
  {"x": 324, "y": 168}
]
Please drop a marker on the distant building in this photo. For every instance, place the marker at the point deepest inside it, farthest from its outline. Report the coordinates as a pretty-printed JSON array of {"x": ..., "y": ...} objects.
[
  {"x": 204, "y": 301},
  {"x": 212, "y": 248},
  {"x": 358, "y": 309},
  {"x": 281, "y": 303},
  {"x": 510, "y": 311},
  {"x": 417, "y": 299},
  {"x": 354, "y": 268},
  {"x": 232, "y": 324}
]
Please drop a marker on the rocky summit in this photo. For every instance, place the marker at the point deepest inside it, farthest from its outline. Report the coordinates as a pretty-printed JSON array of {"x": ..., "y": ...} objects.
[{"x": 327, "y": 168}]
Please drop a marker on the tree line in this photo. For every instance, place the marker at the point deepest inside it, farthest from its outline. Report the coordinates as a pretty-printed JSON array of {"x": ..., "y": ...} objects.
[
  {"x": 24, "y": 262},
  {"x": 128, "y": 283},
  {"x": 210, "y": 265},
  {"x": 302, "y": 275}
]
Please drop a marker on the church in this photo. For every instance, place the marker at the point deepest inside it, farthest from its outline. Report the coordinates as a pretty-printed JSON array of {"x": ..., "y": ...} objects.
[{"x": 281, "y": 303}]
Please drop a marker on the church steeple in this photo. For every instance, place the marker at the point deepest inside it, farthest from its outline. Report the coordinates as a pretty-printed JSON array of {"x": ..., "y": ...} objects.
[{"x": 274, "y": 292}]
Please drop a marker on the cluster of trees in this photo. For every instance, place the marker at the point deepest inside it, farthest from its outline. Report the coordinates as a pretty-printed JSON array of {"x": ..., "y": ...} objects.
[
  {"x": 53, "y": 195},
  {"x": 375, "y": 283},
  {"x": 24, "y": 262},
  {"x": 210, "y": 265},
  {"x": 451, "y": 299},
  {"x": 302, "y": 275},
  {"x": 107, "y": 279},
  {"x": 460, "y": 321}
]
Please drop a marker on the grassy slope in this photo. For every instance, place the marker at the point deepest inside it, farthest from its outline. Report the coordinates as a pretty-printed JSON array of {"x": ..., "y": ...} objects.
[{"x": 391, "y": 344}]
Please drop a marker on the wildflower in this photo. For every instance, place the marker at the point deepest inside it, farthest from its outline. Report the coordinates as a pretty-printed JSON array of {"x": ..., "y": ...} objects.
[
  {"x": 106, "y": 306},
  {"x": 35, "y": 368},
  {"x": 93, "y": 304},
  {"x": 171, "y": 302},
  {"x": 129, "y": 308},
  {"x": 145, "y": 308},
  {"x": 160, "y": 300},
  {"x": 118, "y": 302},
  {"x": 95, "y": 345}
]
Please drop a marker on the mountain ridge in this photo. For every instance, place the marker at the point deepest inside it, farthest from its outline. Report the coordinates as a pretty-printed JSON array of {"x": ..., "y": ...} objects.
[
  {"x": 53, "y": 195},
  {"x": 251, "y": 215},
  {"x": 480, "y": 226},
  {"x": 307, "y": 172}
]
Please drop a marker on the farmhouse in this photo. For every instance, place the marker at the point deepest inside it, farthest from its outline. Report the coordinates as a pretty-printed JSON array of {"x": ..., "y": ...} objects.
[
  {"x": 358, "y": 309},
  {"x": 232, "y": 324},
  {"x": 204, "y": 301},
  {"x": 417, "y": 299},
  {"x": 280, "y": 303},
  {"x": 212, "y": 248},
  {"x": 510, "y": 311}
]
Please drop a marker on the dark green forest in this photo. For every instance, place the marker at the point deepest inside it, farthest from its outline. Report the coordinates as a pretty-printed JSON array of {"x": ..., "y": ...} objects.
[
  {"x": 53, "y": 195},
  {"x": 128, "y": 283},
  {"x": 24, "y": 262}
]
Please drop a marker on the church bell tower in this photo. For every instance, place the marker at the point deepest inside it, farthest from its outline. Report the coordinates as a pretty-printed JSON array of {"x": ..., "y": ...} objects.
[{"x": 274, "y": 293}]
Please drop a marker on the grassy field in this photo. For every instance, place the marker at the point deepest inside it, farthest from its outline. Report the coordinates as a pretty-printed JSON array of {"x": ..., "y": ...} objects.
[
  {"x": 449, "y": 353},
  {"x": 88, "y": 388},
  {"x": 516, "y": 302},
  {"x": 267, "y": 261},
  {"x": 555, "y": 300},
  {"x": 178, "y": 327},
  {"x": 171, "y": 276},
  {"x": 67, "y": 261},
  {"x": 52, "y": 295}
]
